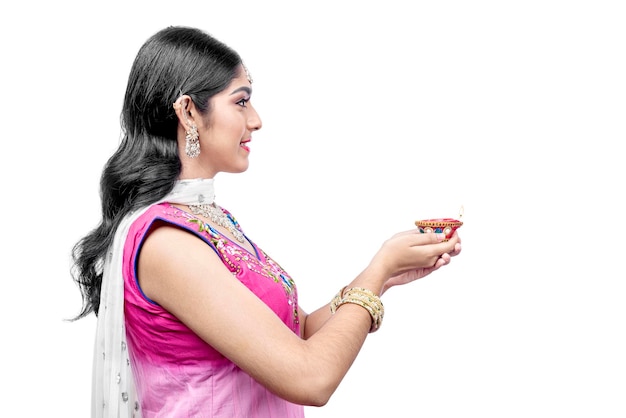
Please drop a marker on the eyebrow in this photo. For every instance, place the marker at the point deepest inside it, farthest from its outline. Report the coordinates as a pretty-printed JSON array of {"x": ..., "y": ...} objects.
[{"x": 246, "y": 89}]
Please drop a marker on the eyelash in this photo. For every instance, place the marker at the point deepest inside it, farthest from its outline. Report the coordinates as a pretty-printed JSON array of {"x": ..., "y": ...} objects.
[{"x": 243, "y": 102}]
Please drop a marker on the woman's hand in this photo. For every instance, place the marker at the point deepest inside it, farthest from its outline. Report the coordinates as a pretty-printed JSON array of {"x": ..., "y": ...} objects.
[{"x": 411, "y": 255}]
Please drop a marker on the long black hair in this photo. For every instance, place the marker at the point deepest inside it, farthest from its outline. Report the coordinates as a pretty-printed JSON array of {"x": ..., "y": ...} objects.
[{"x": 174, "y": 61}]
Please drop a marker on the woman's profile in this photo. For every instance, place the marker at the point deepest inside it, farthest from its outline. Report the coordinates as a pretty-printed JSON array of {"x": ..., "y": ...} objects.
[{"x": 194, "y": 317}]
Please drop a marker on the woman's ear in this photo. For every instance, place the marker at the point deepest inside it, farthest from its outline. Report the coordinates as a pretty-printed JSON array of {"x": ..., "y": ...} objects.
[
  {"x": 185, "y": 110},
  {"x": 183, "y": 107}
]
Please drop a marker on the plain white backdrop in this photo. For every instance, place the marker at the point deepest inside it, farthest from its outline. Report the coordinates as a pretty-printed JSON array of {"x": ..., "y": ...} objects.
[{"x": 375, "y": 114}]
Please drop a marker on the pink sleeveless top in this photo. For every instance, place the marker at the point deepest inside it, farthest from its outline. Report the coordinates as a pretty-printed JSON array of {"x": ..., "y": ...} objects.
[{"x": 176, "y": 373}]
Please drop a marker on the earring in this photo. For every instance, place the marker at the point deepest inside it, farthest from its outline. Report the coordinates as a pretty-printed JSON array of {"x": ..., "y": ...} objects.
[{"x": 192, "y": 144}]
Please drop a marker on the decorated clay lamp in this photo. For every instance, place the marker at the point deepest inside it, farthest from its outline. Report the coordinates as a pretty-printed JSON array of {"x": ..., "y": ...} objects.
[{"x": 445, "y": 226}]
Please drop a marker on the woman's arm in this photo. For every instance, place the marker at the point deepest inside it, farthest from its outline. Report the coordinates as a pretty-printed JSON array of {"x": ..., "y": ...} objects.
[
  {"x": 312, "y": 322},
  {"x": 186, "y": 277}
]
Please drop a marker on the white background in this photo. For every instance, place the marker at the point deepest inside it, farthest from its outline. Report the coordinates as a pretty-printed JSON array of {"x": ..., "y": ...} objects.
[{"x": 375, "y": 114}]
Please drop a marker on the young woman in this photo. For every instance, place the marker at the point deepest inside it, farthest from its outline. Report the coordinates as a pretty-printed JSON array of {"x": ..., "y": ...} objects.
[{"x": 194, "y": 318}]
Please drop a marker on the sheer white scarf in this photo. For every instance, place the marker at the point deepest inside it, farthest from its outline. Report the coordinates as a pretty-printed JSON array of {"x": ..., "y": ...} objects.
[{"x": 113, "y": 386}]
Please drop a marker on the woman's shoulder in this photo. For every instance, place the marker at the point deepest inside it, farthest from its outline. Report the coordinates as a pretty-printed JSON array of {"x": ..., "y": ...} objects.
[
  {"x": 168, "y": 215},
  {"x": 162, "y": 224},
  {"x": 161, "y": 211},
  {"x": 154, "y": 216}
]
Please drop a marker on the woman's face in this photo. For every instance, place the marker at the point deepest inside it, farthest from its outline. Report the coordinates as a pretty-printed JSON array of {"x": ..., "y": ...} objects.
[{"x": 226, "y": 134}]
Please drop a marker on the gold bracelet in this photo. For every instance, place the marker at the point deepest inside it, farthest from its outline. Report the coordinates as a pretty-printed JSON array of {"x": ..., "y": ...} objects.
[
  {"x": 364, "y": 298},
  {"x": 376, "y": 308}
]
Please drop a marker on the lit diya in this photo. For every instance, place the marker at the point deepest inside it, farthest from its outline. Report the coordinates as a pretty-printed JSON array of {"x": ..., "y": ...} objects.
[{"x": 445, "y": 226}]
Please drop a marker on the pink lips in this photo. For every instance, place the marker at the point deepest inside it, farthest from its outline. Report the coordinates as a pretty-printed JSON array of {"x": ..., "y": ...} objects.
[{"x": 243, "y": 145}]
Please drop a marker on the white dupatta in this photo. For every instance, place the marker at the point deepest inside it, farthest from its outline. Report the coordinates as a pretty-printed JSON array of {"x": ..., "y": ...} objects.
[{"x": 113, "y": 386}]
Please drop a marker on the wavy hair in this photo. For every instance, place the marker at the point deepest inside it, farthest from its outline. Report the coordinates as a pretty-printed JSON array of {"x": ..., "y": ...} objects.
[{"x": 176, "y": 60}]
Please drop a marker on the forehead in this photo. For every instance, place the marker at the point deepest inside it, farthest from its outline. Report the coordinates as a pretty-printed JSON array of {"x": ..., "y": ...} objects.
[
  {"x": 242, "y": 75},
  {"x": 239, "y": 85},
  {"x": 240, "y": 80}
]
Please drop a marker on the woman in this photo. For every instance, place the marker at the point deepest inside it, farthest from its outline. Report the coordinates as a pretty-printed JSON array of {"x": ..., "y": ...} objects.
[{"x": 195, "y": 319}]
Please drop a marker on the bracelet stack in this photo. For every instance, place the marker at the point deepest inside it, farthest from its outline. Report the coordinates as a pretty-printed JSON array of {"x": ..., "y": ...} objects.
[{"x": 364, "y": 298}]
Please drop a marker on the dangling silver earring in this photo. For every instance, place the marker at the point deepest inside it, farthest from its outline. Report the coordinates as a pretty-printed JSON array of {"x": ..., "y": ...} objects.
[{"x": 192, "y": 143}]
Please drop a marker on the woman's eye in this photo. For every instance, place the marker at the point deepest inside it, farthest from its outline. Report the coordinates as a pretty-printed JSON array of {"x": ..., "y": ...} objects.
[{"x": 243, "y": 101}]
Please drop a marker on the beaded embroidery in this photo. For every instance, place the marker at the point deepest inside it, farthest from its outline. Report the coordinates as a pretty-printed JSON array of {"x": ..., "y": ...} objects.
[{"x": 234, "y": 256}]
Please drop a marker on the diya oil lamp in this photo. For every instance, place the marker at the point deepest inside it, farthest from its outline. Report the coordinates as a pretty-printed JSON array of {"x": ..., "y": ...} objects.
[{"x": 445, "y": 226}]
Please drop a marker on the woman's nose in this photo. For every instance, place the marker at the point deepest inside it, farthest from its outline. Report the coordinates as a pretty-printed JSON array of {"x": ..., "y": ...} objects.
[{"x": 254, "y": 120}]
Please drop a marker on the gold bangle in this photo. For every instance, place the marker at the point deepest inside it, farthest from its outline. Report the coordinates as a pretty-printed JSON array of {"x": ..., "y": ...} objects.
[
  {"x": 377, "y": 310},
  {"x": 364, "y": 298}
]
